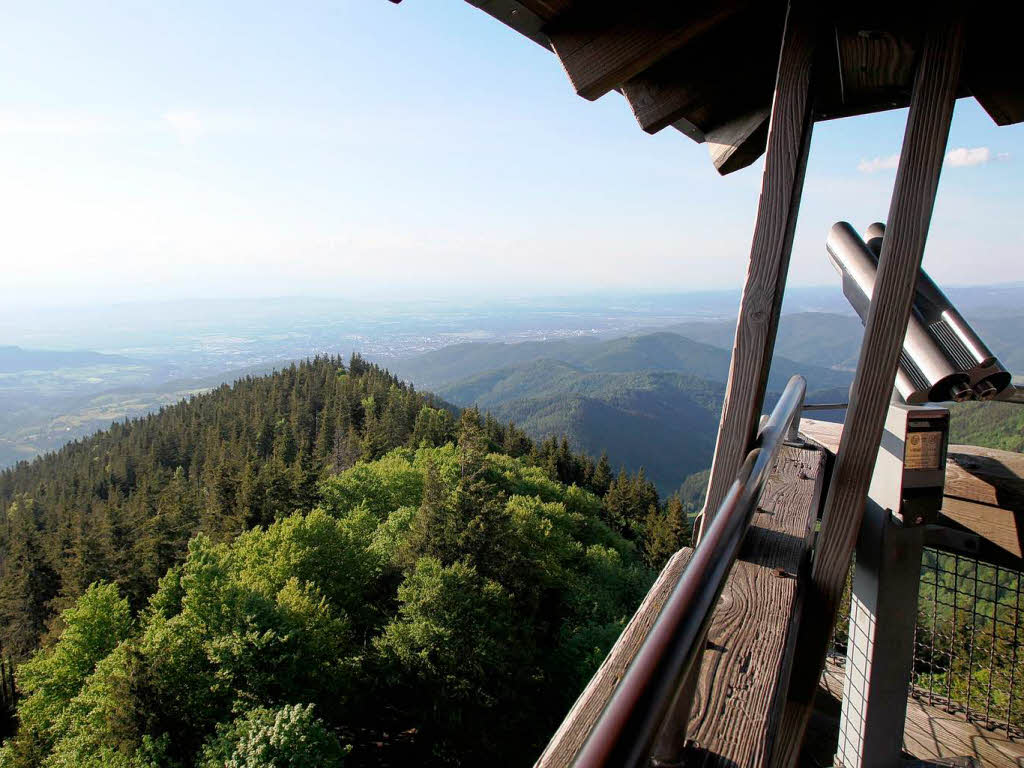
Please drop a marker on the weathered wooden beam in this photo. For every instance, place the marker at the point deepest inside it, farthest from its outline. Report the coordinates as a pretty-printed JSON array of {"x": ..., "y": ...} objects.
[
  {"x": 731, "y": 717},
  {"x": 995, "y": 70},
  {"x": 739, "y": 142},
  {"x": 872, "y": 70},
  {"x": 561, "y": 751},
  {"x": 789, "y": 140},
  {"x": 913, "y": 199},
  {"x": 986, "y": 475},
  {"x": 979, "y": 475},
  {"x": 527, "y": 17},
  {"x": 984, "y": 494},
  {"x": 602, "y": 45},
  {"x": 1002, "y": 527},
  {"x": 548, "y": 9},
  {"x": 741, "y": 692},
  {"x": 707, "y": 82},
  {"x": 658, "y": 100}
]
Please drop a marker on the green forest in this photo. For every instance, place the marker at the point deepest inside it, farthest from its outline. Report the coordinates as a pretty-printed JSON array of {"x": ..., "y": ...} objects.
[{"x": 321, "y": 566}]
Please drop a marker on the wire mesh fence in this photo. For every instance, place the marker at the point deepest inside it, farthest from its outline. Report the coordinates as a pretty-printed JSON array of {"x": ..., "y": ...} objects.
[{"x": 966, "y": 655}]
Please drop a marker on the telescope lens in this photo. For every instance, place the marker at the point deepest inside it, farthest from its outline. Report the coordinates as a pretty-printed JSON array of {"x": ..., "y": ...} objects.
[
  {"x": 960, "y": 392},
  {"x": 985, "y": 390}
]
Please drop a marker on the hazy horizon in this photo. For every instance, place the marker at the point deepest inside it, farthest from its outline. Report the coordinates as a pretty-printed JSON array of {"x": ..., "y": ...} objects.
[{"x": 203, "y": 152}]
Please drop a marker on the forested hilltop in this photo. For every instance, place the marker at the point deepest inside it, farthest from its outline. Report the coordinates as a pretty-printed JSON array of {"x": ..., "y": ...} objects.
[{"x": 322, "y": 559}]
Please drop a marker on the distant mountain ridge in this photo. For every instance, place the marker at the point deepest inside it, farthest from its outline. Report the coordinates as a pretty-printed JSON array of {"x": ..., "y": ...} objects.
[
  {"x": 821, "y": 339},
  {"x": 650, "y": 400},
  {"x": 664, "y": 350},
  {"x": 15, "y": 359}
]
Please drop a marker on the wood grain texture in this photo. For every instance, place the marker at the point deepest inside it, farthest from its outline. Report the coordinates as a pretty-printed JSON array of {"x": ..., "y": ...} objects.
[
  {"x": 566, "y": 743},
  {"x": 929, "y": 733},
  {"x": 873, "y": 70},
  {"x": 738, "y": 143},
  {"x": 789, "y": 140},
  {"x": 1002, "y": 527},
  {"x": 741, "y": 691},
  {"x": 986, "y": 475},
  {"x": 750, "y": 666},
  {"x": 708, "y": 82},
  {"x": 906, "y": 229},
  {"x": 603, "y": 45},
  {"x": 984, "y": 491},
  {"x": 825, "y": 433}
]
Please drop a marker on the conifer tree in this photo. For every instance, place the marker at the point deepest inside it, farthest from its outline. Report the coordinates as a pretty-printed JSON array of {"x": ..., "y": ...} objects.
[
  {"x": 602, "y": 480},
  {"x": 665, "y": 532},
  {"x": 26, "y": 582}
]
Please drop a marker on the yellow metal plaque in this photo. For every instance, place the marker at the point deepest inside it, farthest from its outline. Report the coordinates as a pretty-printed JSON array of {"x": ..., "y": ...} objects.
[{"x": 923, "y": 450}]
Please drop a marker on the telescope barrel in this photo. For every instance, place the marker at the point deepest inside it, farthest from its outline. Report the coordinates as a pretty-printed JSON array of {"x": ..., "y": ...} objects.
[
  {"x": 925, "y": 372},
  {"x": 954, "y": 335}
]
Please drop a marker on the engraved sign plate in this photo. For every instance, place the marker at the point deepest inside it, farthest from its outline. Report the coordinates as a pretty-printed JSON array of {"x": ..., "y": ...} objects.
[{"x": 923, "y": 450}]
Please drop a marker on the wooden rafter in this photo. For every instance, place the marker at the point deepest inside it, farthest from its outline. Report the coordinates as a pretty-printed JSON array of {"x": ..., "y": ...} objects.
[
  {"x": 689, "y": 82},
  {"x": 602, "y": 46}
]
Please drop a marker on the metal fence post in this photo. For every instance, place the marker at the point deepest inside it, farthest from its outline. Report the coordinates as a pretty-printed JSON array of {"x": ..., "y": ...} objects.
[
  {"x": 905, "y": 495},
  {"x": 880, "y": 651}
]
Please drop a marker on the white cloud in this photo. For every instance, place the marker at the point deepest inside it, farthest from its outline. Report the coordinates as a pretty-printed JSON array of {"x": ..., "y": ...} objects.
[
  {"x": 962, "y": 157},
  {"x": 185, "y": 124},
  {"x": 879, "y": 164}
]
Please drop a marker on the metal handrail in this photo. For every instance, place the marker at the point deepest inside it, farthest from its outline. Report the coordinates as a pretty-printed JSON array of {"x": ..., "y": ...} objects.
[{"x": 625, "y": 732}]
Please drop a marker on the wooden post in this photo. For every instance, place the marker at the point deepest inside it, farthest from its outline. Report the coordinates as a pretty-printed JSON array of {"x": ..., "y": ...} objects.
[
  {"x": 789, "y": 140},
  {"x": 917, "y": 178}
]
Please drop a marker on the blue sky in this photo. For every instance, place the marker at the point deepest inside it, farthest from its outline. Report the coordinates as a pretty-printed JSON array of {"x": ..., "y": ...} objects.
[{"x": 365, "y": 149}]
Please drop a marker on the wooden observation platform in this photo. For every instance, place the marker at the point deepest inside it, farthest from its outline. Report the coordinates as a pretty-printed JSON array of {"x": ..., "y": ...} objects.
[{"x": 721, "y": 663}]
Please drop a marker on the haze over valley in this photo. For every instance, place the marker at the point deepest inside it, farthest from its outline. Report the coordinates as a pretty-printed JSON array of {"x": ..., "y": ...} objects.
[{"x": 640, "y": 377}]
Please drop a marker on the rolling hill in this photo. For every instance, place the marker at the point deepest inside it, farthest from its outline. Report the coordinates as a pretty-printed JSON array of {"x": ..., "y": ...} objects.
[
  {"x": 651, "y": 400},
  {"x": 820, "y": 339}
]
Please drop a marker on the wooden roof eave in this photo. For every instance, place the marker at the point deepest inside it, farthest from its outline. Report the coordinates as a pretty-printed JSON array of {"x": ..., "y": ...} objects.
[{"x": 709, "y": 70}]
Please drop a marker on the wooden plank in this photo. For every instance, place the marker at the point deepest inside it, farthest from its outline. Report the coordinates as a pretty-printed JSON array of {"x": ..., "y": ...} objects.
[
  {"x": 1002, "y": 527},
  {"x": 929, "y": 733},
  {"x": 780, "y": 538},
  {"x": 741, "y": 691},
  {"x": 873, "y": 70},
  {"x": 910, "y": 212},
  {"x": 789, "y": 140},
  {"x": 986, "y": 475},
  {"x": 825, "y": 433},
  {"x": 707, "y": 82},
  {"x": 738, "y": 143},
  {"x": 933, "y": 734},
  {"x": 659, "y": 98},
  {"x": 689, "y": 130},
  {"x": 602, "y": 45},
  {"x": 995, "y": 70},
  {"x": 547, "y": 9},
  {"x": 984, "y": 492},
  {"x": 527, "y": 17},
  {"x": 973, "y": 473},
  {"x": 573, "y": 732}
]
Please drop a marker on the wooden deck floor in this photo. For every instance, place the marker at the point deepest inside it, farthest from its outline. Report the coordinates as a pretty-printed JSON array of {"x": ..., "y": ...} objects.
[{"x": 931, "y": 733}]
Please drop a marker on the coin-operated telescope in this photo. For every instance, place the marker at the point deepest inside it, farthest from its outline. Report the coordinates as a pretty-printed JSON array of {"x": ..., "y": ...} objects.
[{"x": 942, "y": 358}]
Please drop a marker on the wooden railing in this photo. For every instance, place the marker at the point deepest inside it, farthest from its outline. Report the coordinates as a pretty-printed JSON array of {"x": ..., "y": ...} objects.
[
  {"x": 982, "y": 511},
  {"x": 639, "y": 703}
]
